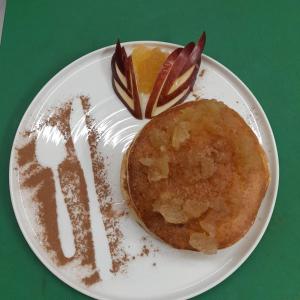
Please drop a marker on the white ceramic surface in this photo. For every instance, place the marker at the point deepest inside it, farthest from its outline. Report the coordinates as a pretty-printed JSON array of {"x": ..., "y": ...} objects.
[{"x": 178, "y": 274}]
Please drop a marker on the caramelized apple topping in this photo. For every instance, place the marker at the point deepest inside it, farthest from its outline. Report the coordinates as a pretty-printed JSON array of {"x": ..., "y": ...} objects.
[
  {"x": 158, "y": 168},
  {"x": 170, "y": 208},
  {"x": 147, "y": 161},
  {"x": 207, "y": 167},
  {"x": 158, "y": 138},
  {"x": 199, "y": 166},
  {"x": 203, "y": 243},
  {"x": 218, "y": 204},
  {"x": 195, "y": 208},
  {"x": 209, "y": 228},
  {"x": 180, "y": 134},
  {"x": 177, "y": 210}
]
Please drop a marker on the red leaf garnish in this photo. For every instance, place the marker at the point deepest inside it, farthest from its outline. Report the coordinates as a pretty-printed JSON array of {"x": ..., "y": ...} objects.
[
  {"x": 161, "y": 78},
  {"x": 183, "y": 73},
  {"x": 123, "y": 81},
  {"x": 172, "y": 85},
  {"x": 177, "y": 68}
]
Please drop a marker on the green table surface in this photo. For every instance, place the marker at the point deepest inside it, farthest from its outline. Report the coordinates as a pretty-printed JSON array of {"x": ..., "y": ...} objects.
[{"x": 258, "y": 40}]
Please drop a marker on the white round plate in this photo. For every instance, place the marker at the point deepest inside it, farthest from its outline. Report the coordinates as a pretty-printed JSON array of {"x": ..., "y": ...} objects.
[{"x": 178, "y": 274}]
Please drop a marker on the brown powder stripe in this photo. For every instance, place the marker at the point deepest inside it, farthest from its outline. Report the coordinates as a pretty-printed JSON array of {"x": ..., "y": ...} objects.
[{"x": 110, "y": 217}]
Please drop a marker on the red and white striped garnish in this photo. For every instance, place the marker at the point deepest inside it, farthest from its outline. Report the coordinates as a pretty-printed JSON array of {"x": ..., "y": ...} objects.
[{"x": 173, "y": 83}]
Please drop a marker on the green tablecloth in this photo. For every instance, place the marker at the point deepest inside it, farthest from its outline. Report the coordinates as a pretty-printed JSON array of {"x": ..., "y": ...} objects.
[{"x": 258, "y": 40}]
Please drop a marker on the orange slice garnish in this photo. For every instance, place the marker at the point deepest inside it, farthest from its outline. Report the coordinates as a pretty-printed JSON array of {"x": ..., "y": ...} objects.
[{"x": 147, "y": 63}]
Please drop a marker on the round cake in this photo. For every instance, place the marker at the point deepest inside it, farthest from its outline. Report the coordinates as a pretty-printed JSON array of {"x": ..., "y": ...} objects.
[{"x": 195, "y": 176}]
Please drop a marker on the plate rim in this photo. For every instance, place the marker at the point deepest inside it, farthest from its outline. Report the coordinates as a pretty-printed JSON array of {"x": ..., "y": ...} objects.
[{"x": 194, "y": 291}]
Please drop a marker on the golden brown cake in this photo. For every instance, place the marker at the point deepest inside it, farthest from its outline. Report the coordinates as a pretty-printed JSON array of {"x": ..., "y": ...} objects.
[{"x": 195, "y": 176}]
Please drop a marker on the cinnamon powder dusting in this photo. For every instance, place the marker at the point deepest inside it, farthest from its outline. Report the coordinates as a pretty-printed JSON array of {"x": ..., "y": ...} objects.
[
  {"x": 92, "y": 279},
  {"x": 39, "y": 182},
  {"x": 74, "y": 189},
  {"x": 109, "y": 215},
  {"x": 201, "y": 74},
  {"x": 145, "y": 251}
]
